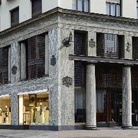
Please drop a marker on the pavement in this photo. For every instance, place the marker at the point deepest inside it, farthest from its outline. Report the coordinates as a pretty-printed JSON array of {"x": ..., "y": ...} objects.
[{"x": 99, "y": 133}]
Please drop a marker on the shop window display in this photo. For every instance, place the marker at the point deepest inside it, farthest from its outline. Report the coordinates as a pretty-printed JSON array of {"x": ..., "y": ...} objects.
[
  {"x": 36, "y": 109},
  {"x": 5, "y": 110}
]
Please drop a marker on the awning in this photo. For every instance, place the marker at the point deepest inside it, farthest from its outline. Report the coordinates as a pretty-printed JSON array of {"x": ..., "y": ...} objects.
[
  {"x": 4, "y": 95},
  {"x": 33, "y": 92}
]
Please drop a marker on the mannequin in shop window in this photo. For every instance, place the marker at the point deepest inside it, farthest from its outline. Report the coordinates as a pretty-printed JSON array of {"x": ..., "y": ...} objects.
[{"x": 6, "y": 114}]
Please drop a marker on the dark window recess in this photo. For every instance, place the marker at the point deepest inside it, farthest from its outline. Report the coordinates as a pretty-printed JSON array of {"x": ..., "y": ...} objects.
[
  {"x": 15, "y": 16},
  {"x": 135, "y": 47},
  {"x": 36, "y": 57},
  {"x": 108, "y": 77},
  {"x": 109, "y": 45},
  {"x": 113, "y": 9},
  {"x": 80, "y": 43},
  {"x": 36, "y": 7},
  {"x": 4, "y": 65},
  {"x": 134, "y": 77},
  {"x": 80, "y": 74}
]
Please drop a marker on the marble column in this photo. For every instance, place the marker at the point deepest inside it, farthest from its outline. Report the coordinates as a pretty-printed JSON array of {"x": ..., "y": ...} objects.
[
  {"x": 90, "y": 97},
  {"x": 127, "y": 98}
]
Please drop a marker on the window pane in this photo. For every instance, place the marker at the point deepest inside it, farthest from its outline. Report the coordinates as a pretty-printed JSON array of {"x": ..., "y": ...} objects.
[
  {"x": 137, "y": 13},
  {"x": 79, "y": 5},
  {"x": 111, "y": 43},
  {"x": 113, "y": 9},
  {"x": 118, "y": 10},
  {"x": 86, "y": 5},
  {"x": 74, "y": 4},
  {"x": 107, "y": 9}
]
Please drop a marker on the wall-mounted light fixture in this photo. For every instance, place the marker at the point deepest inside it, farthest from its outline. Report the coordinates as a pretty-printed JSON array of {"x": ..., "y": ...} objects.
[{"x": 67, "y": 40}]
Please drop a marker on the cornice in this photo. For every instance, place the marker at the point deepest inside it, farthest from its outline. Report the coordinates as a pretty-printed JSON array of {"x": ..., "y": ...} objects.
[{"x": 60, "y": 12}]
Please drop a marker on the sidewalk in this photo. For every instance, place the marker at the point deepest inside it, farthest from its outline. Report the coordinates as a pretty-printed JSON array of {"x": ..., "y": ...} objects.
[{"x": 99, "y": 133}]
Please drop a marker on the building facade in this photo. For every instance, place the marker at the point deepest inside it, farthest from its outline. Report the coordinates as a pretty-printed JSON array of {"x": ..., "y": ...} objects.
[{"x": 68, "y": 64}]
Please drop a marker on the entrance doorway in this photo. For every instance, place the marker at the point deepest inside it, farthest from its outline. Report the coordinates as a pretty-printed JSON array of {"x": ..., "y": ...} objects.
[{"x": 109, "y": 107}]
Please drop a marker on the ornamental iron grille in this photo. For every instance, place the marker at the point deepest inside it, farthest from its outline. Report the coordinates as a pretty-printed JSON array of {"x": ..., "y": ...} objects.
[
  {"x": 108, "y": 77},
  {"x": 36, "y": 57},
  {"x": 4, "y": 65},
  {"x": 135, "y": 47},
  {"x": 36, "y": 7},
  {"x": 80, "y": 71},
  {"x": 109, "y": 45},
  {"x": 80, "y": 43}
]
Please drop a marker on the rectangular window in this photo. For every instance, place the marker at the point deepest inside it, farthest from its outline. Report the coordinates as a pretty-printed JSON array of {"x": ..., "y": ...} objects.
[
  {"x": 80, "y": 5},
  {"x": 137, "y": 9},
  {"x": 109, "y": 45},
  {"x": 113, "y": 8},
  {"x": 80, "y": 74},
  {"x": 135, "y": 47},
  {"x": 14, "y": 16},
  {"x": 80, "y": 43},
  {"x": 36, "y": 7},
  {"x": 36, "y": 57},
  {"x": 4, "y": 65}
]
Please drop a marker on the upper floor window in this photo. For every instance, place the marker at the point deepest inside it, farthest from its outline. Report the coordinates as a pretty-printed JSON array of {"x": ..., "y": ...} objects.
[
  {"x": 36, "y": 57},
  {"x": 14, "y": 16},
  {"x": 110, "y": 45},
  {"x": 113, "y": 7},
  {"x": 80, "y": 43},
  {"x": 81, "y": 5},
  {"x": 36, "y": 7},
  {"x": 137, "y": 9},
  {"x": 4, "y": 65}
]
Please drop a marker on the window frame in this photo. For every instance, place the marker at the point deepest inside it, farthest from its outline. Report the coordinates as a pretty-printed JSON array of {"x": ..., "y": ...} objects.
[
  {"x": 38, "y": 11},
  {"x": 14, "y": 11},
  {"x": 108, "y": 6},
  {"x": 83, "y": 5}
]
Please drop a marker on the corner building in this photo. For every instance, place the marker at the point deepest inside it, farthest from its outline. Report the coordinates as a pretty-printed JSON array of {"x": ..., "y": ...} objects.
[{"x": 68, "y": 64}]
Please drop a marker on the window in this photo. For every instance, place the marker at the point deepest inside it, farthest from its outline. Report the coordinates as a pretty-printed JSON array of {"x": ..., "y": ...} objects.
[
  {"x": 137, "y": 9},
  {"x": 34, "y": 109},
  {"x": 5, "y": 110},
  {"x": 15, "y": 16},
  {"x": 80, "y": 43},
  {"x": 36, "y": 7},
  {"x": 4, "y": 65},
  {"x": 110, "y": 45},
  {"x": 81, "y": 5},
  {"x": 36, "y": 57},
  {"x": 135, "y": 47},
  {"x": 113, "y": 8}
]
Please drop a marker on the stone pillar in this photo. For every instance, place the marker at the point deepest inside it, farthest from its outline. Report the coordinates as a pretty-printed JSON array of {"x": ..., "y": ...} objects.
[
  {"x": 23, "y": 61},
  {"x": 127, "y": 98},
  {"x": 90, "y": 97},
  {"x": 15, "y": 62},
  {"x": 21, "y": 110},
  {"x": 14, "y": 109}
]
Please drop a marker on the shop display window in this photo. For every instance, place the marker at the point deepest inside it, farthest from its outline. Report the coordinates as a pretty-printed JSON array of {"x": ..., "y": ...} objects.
[
  {"x": 35, "y": 109},
  {"x": 5, "y": 110}
]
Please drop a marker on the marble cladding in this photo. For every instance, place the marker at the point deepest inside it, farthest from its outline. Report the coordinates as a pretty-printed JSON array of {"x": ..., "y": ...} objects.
[{"x": 61, "y": 97}]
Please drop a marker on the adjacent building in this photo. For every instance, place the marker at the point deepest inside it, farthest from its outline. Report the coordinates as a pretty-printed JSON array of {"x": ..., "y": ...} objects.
[{"x": 68, "y": 64}]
